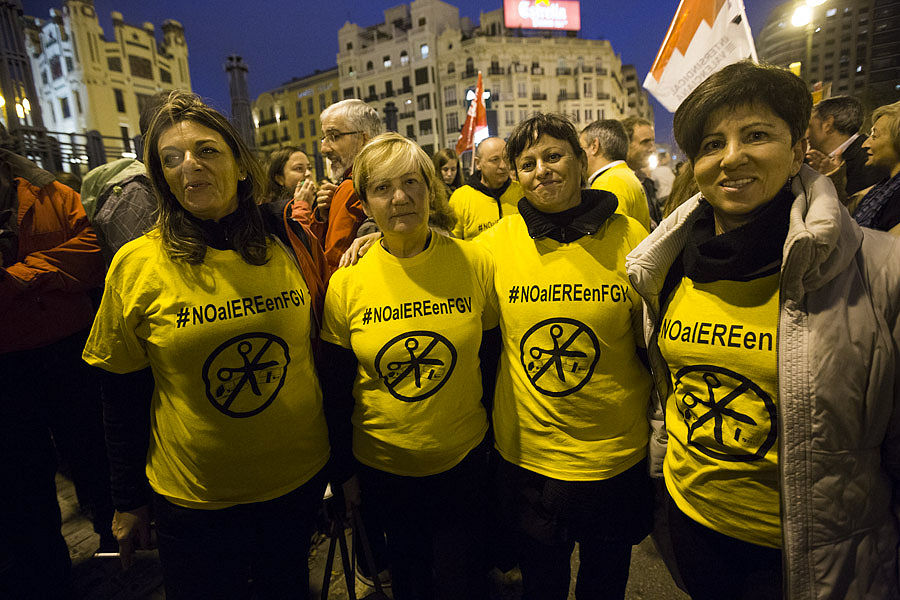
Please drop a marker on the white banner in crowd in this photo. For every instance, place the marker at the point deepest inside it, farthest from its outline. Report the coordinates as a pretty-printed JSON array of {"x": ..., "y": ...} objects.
[{"x": 704, "y": 36}]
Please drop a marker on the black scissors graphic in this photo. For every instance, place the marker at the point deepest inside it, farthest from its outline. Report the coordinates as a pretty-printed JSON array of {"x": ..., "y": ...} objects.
[
  {"x": 557, "y": 353},
  {"x": 717, "y": 409},
  {"x": 247, "y": 371},
  {"x": 415, "y": 363}
]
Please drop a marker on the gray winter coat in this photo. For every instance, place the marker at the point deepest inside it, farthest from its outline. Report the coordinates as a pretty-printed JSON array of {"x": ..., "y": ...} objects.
[{"x": 838, "y": 388}]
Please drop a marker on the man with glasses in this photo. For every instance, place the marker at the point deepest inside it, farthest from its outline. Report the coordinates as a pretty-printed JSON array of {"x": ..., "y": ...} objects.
[
  {"x": 488, "y": 196},
  {"x": 346, "y": 126}
]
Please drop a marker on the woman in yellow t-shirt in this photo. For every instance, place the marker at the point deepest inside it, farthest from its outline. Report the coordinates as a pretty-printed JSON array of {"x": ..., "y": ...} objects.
[
  {"x": 570, "y": 408},
  {"x": 212, "y": 397},
  {"x": 402, "y": 333}
]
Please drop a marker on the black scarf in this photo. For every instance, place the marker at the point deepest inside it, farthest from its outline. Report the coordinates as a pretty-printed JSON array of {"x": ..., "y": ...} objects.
[
  {"x": 746, "y": 252},
  {"x": 570, "y": 225}
]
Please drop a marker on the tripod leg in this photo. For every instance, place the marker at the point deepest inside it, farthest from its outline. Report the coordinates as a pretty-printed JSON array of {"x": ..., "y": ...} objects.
[
  {"x": 329, "y": 562},
  {"x": 345, "y": 559}
]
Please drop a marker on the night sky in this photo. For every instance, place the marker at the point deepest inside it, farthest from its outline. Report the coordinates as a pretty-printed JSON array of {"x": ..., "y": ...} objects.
[{"x": 282, "y": 39}]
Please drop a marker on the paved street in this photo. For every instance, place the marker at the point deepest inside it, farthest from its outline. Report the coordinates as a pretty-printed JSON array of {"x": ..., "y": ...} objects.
[{"x": 103, "y": 579}]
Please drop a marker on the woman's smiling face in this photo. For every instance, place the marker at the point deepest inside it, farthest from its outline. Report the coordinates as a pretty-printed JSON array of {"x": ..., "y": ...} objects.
[{"x": 745, "y": 158}]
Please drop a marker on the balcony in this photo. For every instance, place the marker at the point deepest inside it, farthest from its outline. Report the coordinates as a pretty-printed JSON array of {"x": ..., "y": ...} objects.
[
  {"x": 584, "y": 69},
  {"x": 563, "y": 71},
  {"x": 406, "y": 90},
  {"x": 564, "y": 95},
  {"x": 406, "y": 115},
  {"x": 603, "y": 96},
  {"x": 371, "y": 98},
  {"x": 602, "y": 72},
  {"x": 537, "y": 96},
  {"x": 496, "y": 70},
  {"x": 387, "y": 94},
  {"x": 469, "y": 73},
  {"x": 537, "y": 70},
  {"x": 263, "y": 122},
  {"x": 450, "y": 102}
]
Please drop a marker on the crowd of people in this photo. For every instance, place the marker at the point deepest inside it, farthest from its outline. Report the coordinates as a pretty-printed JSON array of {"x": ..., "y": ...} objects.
[{"x": 569, "y": 346}]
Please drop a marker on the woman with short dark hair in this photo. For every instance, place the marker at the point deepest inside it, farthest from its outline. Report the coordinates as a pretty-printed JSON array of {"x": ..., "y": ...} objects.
[
  {"x": 209, "y": 315},
  {"x": 570, "y": 407},
  {"x": 773, "y": 331}
]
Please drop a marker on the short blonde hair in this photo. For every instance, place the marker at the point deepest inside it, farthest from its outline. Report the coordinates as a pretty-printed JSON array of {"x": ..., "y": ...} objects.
[
  {"x": 391, "y": 154},
  {"x": 891, "y": 113}
]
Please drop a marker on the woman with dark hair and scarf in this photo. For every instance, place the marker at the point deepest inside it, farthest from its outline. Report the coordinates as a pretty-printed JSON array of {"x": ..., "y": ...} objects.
[{"x": 772, "y": 330}]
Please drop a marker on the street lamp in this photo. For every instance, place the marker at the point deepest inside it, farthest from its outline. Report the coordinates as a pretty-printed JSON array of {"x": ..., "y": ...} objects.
[{"x": 803, "y": 17}]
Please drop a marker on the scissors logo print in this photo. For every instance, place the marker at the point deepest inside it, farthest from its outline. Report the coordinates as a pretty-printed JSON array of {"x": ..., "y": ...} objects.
[
  {"x": 559, "y": 355},
  {"x": 415, "y": 365},
  {"x": 244, "y": 375},
  {"x": 728, "y": 416}
]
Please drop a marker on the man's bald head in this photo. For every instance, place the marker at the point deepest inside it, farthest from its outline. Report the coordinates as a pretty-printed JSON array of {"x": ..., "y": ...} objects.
[{"x": 490, "y": 159}]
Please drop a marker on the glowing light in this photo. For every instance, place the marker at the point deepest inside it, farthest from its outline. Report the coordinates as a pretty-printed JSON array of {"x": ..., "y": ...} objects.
[
  {"x": 20, "y": 111},
  {"x": 129, "y": 155},
  {"x": 653, "y": 161},
  {"x": 802, "y": 16},
  {"x": 814, "y": 2},
  {"x": 26, "y": 105},
  {"x": 2, "y": 101}
]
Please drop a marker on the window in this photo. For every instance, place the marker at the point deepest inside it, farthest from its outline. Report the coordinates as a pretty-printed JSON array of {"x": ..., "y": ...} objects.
[
  {"x": 120, "y": 100},
  {"x": 44, "y": 79},
  {"x": 423, "y": 50},
  {"x": 322, "y": 104},
  {"x": 523, "y": 90},
  {"x": 451, "y": 68},
  {"x": 309, "y": 106},
  {"x": 350, "y": 72},
  {"x": 312, "y": 127},
  {"x": 126, "y": 139},
  {"x": 334, "y": 96},
  {"x": 523, "y": 114},
  {"x": 589, "y": 114},
  {"x": 69, "y": 66},
  {"x": 410, "y": 131},
  {"x": 140, "y": 67},
  {"x": 64, "y": 107},
  {"x": 349, "y": 45},
  {"x": 450, "y": 96},
  {"x": 388, "y": 88},
  {"x": 55, "y": 68},
  {"x": 387, "y": 62},
  {"x": 588, "y": 88},
  {"x": 78, "y": 102},
  {"x": 348, "y": 93},
  {"x": 301, "y": 130},
  {"x": 578, "y": 115},
  {"x": 423, "y": 102},
  {"x": 406, "y": 86},
  {"x": 404, "y": 58},
  {"x": 422, "y": 22},
  {"x": 425, "y": 127},
  {"x": 421, "y": 76},
  {"x": 470, "y": 66},
  {"x": 299, "y": 108},
  {"x": 372, "y": 93},
  {"x": 509, "y": 117},
  {"x": 165, "y": 76},
  {"x": 369, "y": 66},
  {"x": 452, "y": 123}
]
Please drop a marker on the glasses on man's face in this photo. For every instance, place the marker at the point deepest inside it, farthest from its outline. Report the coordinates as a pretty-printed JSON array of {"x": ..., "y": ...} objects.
[{"x": 333, "y": 136}]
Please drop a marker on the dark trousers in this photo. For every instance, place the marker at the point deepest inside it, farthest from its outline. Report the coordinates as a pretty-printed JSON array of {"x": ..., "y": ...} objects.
[
  {"x": 434, "y": 527},
  {"x": 547, "y": 516},
  {"x": 715, "y": 566},
  {"x": 215, "y": 553},
  {"x": 41, "y": 388}
]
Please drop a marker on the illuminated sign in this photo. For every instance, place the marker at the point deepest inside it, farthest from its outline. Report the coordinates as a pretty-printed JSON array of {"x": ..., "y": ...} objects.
[{"x": 542, "y": 14}]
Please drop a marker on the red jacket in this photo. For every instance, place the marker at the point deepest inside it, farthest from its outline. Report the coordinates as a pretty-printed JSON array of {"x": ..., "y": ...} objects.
[{"x": 43, "y": 296}]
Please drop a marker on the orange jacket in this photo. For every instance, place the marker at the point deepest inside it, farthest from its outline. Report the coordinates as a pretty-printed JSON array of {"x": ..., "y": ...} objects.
[{"x": 43, "y": 296}]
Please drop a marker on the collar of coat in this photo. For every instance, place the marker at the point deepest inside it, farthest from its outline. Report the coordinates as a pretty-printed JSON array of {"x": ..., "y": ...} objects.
[{"x": 595, "y": 208}]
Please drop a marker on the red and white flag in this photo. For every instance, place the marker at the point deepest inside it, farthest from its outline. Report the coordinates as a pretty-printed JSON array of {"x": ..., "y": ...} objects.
[
  {"x": 475, "y": 128},
  {"x": 704, "y": 36}
]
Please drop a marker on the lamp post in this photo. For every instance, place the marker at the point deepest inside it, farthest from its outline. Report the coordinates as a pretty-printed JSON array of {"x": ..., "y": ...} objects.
[{"x": 803, "y": 17}]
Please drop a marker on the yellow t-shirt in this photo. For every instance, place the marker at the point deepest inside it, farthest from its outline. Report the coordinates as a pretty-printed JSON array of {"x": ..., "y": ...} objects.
[
  {"x": 415, "y": 326},
  {"x": 236, "y": 410},
  {"x": 476, "y": 212},
  {"x": 721, "y": 467},
  {"x": 621, "y": 181},
  {"x": 572, "y": 394}
]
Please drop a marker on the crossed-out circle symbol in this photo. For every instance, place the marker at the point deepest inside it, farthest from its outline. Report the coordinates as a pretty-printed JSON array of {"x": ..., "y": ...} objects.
[
  {"x": 244, "y": 375},
  {"x": 559, "y": 355},
  {"x": 732, "y": 419},
  {"x": 415, "y": 365}
]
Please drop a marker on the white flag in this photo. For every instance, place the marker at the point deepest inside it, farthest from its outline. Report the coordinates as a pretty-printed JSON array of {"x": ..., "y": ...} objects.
[{"x": 704, "y": 36}]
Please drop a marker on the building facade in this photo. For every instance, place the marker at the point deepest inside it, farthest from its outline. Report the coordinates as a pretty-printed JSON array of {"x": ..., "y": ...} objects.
[
  {"x": 87, "y": 81},
  {"x": 289, "y": 114},
  {"x": 638, "y": 100},
  {"x": 854, "y": 45},
  {"x": 418, "y": 66}
]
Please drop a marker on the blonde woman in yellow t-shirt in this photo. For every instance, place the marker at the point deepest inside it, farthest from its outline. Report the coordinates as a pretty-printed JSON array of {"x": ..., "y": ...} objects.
[
  {"x": 570, "y": 408},
  {"x": 402, "y": 333}
]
